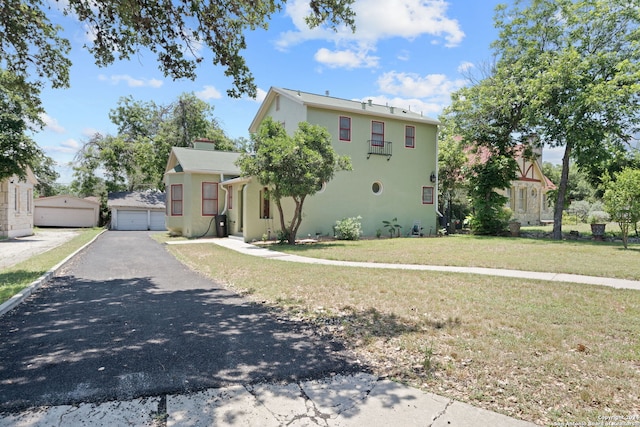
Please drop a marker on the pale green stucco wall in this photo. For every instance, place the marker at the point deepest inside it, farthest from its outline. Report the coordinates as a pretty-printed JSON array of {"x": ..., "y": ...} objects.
[
  {"x": 349, "y": 193},
  {"x": 192, "y": 223}
]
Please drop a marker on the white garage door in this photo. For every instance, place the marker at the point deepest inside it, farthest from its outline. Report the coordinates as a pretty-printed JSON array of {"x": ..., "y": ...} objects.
[
  {"x": 157, "y": 221},
  {"x": 64, "y": 217},
  {"x": 131, "y": 220}
]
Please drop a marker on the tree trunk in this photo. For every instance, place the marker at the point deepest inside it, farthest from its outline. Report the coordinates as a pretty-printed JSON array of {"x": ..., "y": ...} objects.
[
  {"x": 297, "y": 219},
  {"x": 562, "y": 191},
  {"x": 282, "y": 225}
]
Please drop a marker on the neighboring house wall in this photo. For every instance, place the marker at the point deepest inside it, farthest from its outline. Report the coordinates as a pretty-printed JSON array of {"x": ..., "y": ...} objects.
[
  {"x": 400, "y": 178},
  {"x": 16, "y": 206},
  {"x": 528, "y": 195}
]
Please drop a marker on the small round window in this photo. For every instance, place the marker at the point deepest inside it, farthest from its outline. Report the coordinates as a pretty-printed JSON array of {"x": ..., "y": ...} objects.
[
  {"x": 376, "y": 187},
  {"x": 320, "y": 188}
]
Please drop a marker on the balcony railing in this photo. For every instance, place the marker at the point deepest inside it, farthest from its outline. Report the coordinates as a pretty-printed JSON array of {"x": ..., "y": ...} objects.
[{"x": 379, "y": 148}]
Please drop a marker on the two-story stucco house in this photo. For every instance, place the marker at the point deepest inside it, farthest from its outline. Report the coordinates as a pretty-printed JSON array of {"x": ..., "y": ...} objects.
[{"x": 393, "y": 153}]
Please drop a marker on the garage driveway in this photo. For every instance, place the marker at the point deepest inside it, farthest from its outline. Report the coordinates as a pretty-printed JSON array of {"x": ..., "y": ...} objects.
[
  {"x": 125, "y": 319},
  {"x": 13, "y": 251}
]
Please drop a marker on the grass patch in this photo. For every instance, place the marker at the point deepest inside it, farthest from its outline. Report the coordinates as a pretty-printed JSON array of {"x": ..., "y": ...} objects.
[
  {"x": 15, "y": 278},
  {"x": 604, "y": 259},
  {"x": 539, "y": 351}
]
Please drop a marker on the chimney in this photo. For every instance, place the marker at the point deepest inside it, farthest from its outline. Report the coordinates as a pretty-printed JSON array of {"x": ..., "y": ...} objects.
[
  {"x": 369, "y": 102},
  {"x": 391, "y": 110},
  {"x": 326, "y": 93},
  {"x": 364, "y": 106}
]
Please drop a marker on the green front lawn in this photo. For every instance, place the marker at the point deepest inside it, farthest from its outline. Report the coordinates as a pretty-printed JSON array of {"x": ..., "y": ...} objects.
[
  {"x": 539, "y": 351},
  {"x": 568, "y": 256},
  {"x": 19, "y": 276}
]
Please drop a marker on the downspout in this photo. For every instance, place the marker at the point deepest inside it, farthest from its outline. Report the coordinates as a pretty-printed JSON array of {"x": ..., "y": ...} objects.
[
  {"x": 226, "y": 195},
  {"x": 436, "y": 183}
]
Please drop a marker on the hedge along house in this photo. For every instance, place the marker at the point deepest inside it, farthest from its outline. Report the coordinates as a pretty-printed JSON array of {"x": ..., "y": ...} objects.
[
  {"x": 192, "y": 185},
  {"x": 393, "y": 153}
]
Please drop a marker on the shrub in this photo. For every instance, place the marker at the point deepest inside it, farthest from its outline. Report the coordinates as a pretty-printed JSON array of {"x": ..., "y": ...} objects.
[
  {"x": 348, "y": 228},
  {"x": 598, "y": 217},
  {"x": 580, "y": 208}
]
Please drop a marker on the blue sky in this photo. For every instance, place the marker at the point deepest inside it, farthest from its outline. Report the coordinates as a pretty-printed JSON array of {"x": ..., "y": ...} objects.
[{"x": 407, "y": 53}]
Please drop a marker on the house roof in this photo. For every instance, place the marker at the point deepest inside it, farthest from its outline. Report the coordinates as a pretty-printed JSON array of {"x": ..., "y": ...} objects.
[
  {"x": 29, "y": 177},
  {"x": 136, "y": 199},
  {"x": 482, "y": 154},
  {"x": 64, "y": 198},
  {"x": 193, "y": 160},
  {"x": 339, "y": 104}
]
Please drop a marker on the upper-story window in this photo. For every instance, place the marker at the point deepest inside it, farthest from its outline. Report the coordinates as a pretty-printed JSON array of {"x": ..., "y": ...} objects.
[
  {"x": 377, "y": 134},
  {"x": 277, "y": 102},
  {"x": 345, "y": 128},
  {"x": 410, "y": 136}
]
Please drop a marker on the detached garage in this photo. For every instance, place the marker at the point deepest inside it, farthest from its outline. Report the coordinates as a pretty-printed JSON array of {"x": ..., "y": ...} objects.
[
  {"x": 137, "y": 210},
  {"x": 65, "y": 211}
]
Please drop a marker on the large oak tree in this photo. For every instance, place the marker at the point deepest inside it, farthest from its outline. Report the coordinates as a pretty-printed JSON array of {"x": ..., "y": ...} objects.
[
  {"x": 567, "y": 71},
  {"x": 33, "y": 50}
]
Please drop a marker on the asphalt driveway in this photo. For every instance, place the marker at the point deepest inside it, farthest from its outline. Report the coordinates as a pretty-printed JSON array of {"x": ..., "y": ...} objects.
[{"x": 125, "y": 319}]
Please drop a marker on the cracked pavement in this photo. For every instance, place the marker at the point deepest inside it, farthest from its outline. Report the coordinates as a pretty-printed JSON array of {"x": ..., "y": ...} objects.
[{"x": 340, "y": 401}]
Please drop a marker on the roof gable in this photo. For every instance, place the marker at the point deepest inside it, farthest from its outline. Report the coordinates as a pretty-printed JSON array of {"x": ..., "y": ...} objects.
[
  {"x": 137, "y": 199},
  {"x": 338, "y": 104},
  {"x": 208, "y": 161},
  {"x": 66, "y": 200}
]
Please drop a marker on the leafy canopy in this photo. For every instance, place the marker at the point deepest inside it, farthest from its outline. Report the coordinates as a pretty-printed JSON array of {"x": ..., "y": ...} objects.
[
  {"x": 17, "y": 116},
  {"x": 136, "y": 157},
  {"x": 292, "y": 166},
  {"x": 567, "y": 71},
  {"x": 32, "y": 49},
  {"x": 175, "y": 31},
  {"x": 622, "y": 199}
]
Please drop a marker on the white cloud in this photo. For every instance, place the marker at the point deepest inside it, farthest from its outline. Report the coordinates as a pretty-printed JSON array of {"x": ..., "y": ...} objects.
[
  {"x": 412, "y": 84},
  {"x": 209, "y": 92},
  {"x": 404, "y": 55},
  {"x": 51, "y": 124},
  {"x": 261, "y": 95},
  {"x": 421, "y": 106},
  {"x": 428, "y": 94},
  {"x": 346, "y": 58},
  {"x": 377, "y": 20},
  {"x": 465, "y": 67},
  {"x": 130, "y": 81},
  {"x": 89, "y": 132},
  {"x": 68, "y": 146}
]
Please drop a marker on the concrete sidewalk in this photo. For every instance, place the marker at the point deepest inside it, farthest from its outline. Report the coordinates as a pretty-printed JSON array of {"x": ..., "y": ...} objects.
[
  {"x": 355, "y": 400},
  {"x": 249, "y": 249}
]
